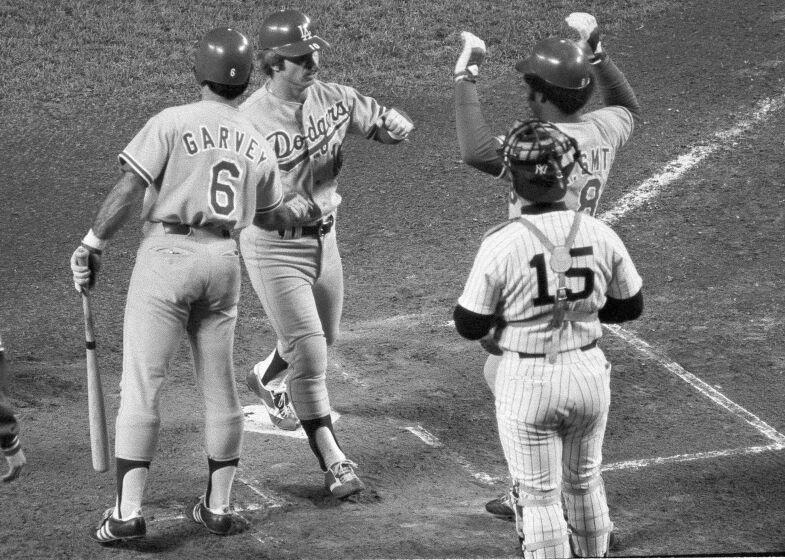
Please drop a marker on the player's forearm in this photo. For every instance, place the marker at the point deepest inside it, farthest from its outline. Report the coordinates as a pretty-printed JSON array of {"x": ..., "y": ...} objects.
[
  {"x": 614, "y": 87},
  {"x": 477, "y": 145},
  {"x": 118, "y": 205}
]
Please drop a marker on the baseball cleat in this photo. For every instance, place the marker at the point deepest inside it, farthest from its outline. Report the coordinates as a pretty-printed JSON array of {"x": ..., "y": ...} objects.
[
  {"x": 341, "y": 480},
  {"x": 112, "y": 530},
  {"x": 276, "y": 402},
  {"x": 223, "y": 523},
  {"x": 501, "y": 507}
]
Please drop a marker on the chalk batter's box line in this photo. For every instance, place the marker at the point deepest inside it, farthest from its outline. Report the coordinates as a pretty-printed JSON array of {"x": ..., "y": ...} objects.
[
  {"x": 642, "y": 463},
  {"x": 698, "y": 384}
]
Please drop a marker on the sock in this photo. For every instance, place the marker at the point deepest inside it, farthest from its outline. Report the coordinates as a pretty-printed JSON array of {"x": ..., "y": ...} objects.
[
  {"x": 219, "y": 484},
  {"x": 276, "y": 366},
  {"x": 322, "y": 440},
  {"x": 331, "y": 451},
  {"x": 131, "y": 480}
]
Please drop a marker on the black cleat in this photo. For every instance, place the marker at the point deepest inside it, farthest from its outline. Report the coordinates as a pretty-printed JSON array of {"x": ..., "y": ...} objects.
[
  {"x": 111, "y": 530},
  {"x": 225, "y": 523}
]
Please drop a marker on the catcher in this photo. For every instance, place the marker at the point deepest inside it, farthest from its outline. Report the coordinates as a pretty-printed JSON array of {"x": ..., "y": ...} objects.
[{"x": 544, "y": 282}]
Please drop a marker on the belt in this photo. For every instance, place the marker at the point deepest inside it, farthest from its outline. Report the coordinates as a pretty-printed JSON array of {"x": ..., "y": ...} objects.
[
  {"x": 319, "y": 229},
  {"x": 185, "y": 229},
  {"x": 589, "y": 346}
]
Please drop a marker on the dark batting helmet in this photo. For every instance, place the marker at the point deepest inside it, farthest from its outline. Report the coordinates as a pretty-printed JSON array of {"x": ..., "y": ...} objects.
[
  {"x": 537, "y": 154},
  {"x": 224, "y": 56},
  {"x": 558, "y": 62},
  {"x": 289, "y": 33}
]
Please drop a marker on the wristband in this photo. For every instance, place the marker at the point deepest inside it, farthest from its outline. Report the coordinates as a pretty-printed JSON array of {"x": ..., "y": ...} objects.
[
  {"x": 598, "y": 58},
  {"x": 92, "y": 241},
  {"x": 466, "y": 75}
]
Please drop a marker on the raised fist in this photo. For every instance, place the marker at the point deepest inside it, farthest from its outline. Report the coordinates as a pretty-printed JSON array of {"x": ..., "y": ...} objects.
[
  {"x": 586, "y": 26},
  {"x": 471, "y": 57},
  {"x": 398, "y": 125}
]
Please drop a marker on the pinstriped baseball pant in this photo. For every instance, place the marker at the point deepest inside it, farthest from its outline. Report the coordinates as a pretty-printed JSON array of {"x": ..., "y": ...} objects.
[{"x": 551, "y": 420}]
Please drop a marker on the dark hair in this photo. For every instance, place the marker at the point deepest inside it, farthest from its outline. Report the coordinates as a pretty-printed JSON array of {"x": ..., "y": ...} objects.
[
  {"x": 568, "y": 101},
  {"x": 229, "y": 92},
  {"x": 269, "y": 60}
]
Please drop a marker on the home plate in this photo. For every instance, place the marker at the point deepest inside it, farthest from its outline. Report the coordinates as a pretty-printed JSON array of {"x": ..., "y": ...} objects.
[{"x": 257, "y": 420}]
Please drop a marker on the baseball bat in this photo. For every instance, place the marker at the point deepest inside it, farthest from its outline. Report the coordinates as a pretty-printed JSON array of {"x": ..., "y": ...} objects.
[{"x": 95, "y": 395}]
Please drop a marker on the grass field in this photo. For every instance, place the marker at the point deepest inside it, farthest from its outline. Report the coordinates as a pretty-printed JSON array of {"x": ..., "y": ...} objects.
[
  {"x": 693, "y": 456},
  {"x": 62, "y": 55}
]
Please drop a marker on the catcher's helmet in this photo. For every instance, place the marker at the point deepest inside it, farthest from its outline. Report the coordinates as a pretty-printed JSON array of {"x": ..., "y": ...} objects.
[
  {"x": 289, "y": 33},
  {"x": 224, "y": 56},
  {"x": 559, "y": 62},
  {"x": 538, "y": 156}
]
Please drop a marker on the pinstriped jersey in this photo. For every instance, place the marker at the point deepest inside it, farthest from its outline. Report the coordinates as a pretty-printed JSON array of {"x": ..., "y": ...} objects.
[
  {"x": 308, "y": 137},
  {"x": 204, "y": 163},
  {"x": 600, "y": 135},
  {"x": 511, "y": 278}
]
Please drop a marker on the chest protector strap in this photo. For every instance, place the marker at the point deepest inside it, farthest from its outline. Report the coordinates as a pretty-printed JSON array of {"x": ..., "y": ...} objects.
[{"x": 560, "y": 263}]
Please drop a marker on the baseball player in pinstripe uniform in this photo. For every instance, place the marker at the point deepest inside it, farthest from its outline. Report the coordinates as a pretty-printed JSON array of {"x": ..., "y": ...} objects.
[
  {"x": 10, "y": 445},
  {"x": 560, "y": 77},
  {"x": 297, "y": 271},
  {"x": 543, "y": 283},
  {"x": 203, "y": 170}
]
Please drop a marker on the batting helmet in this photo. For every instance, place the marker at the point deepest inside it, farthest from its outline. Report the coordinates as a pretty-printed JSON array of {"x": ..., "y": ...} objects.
[
  {"x": 289, "y": 33},
  {"x": 559, "y": 62},
  {"x": 224, "y": 56},
  {"x": 535, "y": 152}
]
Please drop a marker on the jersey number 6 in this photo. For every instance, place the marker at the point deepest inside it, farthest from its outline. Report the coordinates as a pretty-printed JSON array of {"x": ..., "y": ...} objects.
[
  {"x": 543, "y": 297},
  {"x": 222, "y": 194}
]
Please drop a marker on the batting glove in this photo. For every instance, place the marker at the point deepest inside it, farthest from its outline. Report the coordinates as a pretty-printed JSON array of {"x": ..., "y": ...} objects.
[
  {"x": 296, "y": 209},
  {"x": 85, "y": 264},
  {"x": 397, "y": 125},
  {"x": 472, "y": 56},
  {"x": 586, "y": 26},
  {"x": 16, "y": 460}
]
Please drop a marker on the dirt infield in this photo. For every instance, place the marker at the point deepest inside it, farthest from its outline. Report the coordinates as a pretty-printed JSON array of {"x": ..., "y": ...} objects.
[{"x": 694, "y": 454}]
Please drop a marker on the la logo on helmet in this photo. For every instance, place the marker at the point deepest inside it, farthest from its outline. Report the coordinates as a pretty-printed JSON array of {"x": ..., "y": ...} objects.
[{"x": 304, "y": 31}]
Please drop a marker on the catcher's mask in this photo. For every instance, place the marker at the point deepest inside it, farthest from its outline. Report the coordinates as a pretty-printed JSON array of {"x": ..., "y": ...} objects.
[{"x": 540, "y": 157}]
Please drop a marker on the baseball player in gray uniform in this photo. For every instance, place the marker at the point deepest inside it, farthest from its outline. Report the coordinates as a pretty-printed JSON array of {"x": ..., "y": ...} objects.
[
  {"x": 543, "y": 283},
  {"x": 204, "y": 170},
  {"x": 10, "y": 445},
  {"x": 297, "y": 271},
  {"x": 560, "y": 77}
]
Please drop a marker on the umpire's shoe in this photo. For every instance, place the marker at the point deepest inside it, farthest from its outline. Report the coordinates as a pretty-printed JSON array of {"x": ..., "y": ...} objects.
[
  {"x": 110, "y": 530},
  {"x": 341, "y": 480},
  {"x": 224, "y": 523},
  {"x": 501, "y": 507},
  {"x": 276, "y": 402}
]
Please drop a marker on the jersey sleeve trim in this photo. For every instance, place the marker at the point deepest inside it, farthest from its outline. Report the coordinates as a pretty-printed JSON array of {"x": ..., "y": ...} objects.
[{"x": 126, "y": 158}]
